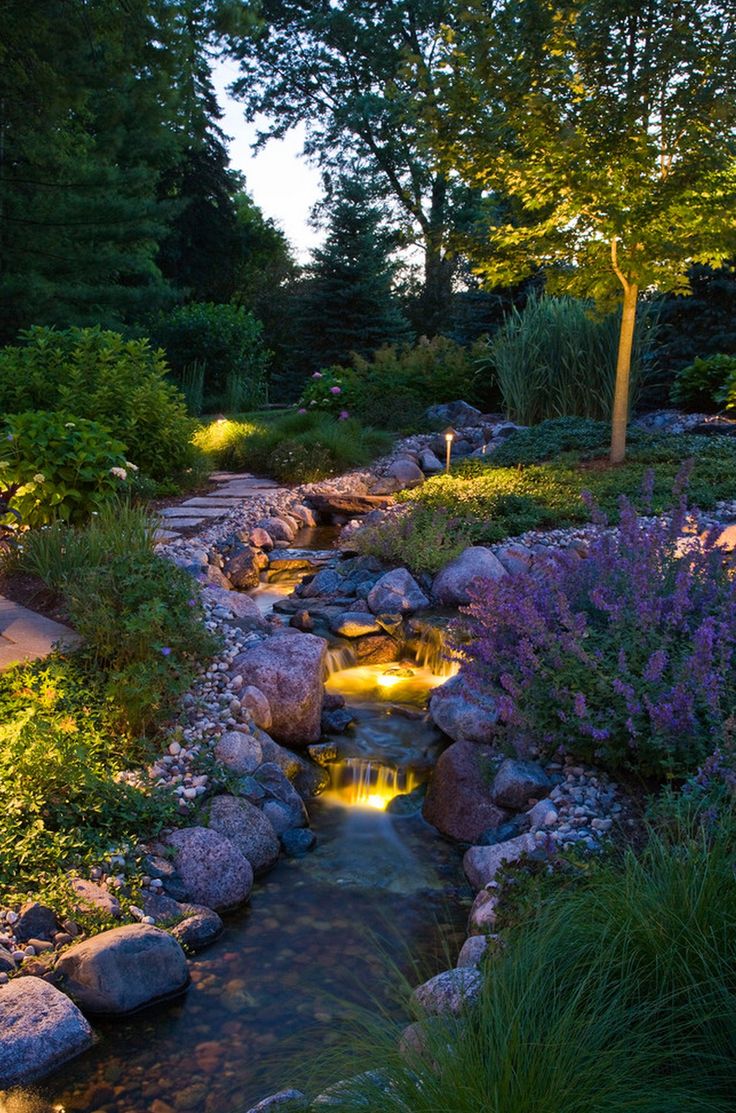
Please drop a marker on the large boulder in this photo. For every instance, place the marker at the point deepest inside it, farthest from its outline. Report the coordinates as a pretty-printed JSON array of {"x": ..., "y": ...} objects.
[
  {"x": 462, "y": 713},
  {"x": 285, "y": 1101},
  {"x": 516, "y": 782},
  {"x": 354, "y": 624},
  {"x": 35, "y": 921},
  {"x": 40, "y": 1028},
  {"x": 458, "y": 801},
  {"x": 397, "y": 592},
  {"x": 289, "y": 669},
  {"x": 482, "y": 863},
  {"x": 212, "y": 869},
  {"x": 243, "y": 567},
  {"x": 247, "y": 828},
  {"x": 458, "y": 413},
  {"x": 283, "y": 805},
  {"x": 278, "y": 528},
  {"x": 406, "y": 472},
  {"x": 239, "y": 751},
  {"x": 450, "y": 992},
  {"x": 451, "y": 586},
  {"x": 124, "y": 969}
]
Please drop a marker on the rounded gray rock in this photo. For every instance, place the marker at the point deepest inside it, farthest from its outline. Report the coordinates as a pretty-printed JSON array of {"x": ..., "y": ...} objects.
[
  {"x": 239, "y": 752},
  {"x": 124, "y": 969},
  {"x": 41, "y": 1029},
  {"x": 247, "y": 828},
  {"x": 212, "y": 869}
]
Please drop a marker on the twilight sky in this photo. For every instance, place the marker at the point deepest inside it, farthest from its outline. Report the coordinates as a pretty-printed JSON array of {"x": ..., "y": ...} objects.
[{"x": 278, "y": 179}]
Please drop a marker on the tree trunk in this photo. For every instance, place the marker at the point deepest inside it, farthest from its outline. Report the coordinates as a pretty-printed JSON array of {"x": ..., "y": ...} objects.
[
  {"x": 438, "y": 269},
  {"x": 620, "y": 416}
]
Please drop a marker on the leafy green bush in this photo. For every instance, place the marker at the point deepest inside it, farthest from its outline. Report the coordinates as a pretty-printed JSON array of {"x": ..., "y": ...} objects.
[
  {"x": 425, "y": 539},
  {"x": 705, "y": 385},
  {"x": 139, "y": 615},
  {"x": 617, "y": 996},
  {"x": 329, "y": 392},
  {"x": 60, "y": 467},
  {"x": 394, "y": 388},
  {"x": 103, "y": 377},
  {"x": 296, "y": 448},
  {"x": 555, "y": 358},
  {"x": 62, "y": 800},
  {"x": 226, "y": 343}
]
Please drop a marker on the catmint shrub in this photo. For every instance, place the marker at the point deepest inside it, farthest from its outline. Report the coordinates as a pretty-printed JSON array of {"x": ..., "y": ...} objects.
[{"x": 626, "y": 656}]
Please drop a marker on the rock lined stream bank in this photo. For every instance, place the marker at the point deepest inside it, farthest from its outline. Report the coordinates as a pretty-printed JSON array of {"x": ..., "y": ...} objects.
[{"x": 275, "y": 870}]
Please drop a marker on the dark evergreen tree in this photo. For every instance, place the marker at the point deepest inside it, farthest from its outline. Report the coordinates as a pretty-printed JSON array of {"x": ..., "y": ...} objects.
[
  {"x": 86, "y": 98},
  {"x": 703, "y": 323},
  {"x": 349, "y": 304}
]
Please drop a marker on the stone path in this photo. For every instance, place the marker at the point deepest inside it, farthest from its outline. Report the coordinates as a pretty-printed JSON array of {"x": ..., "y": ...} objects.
[
  {"x": 233, "y": 488},
  {"x": 25, "y": 635}
]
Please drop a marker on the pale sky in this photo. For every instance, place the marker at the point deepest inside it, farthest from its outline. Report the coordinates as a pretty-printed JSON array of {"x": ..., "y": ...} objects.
[{"x": 280, "y": 181}]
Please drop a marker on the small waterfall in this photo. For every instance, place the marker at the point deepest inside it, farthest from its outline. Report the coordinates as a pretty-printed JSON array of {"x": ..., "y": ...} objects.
[
  {"x": 359, "y": 782},
  {"x": 339, "y": 657},
  {"x": 432, "y": 652}
]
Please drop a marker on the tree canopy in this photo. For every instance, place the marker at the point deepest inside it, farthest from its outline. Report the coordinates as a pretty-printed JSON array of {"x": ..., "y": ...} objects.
[
  {"x": 359, "y": 75},
  {"x": 610, "y": 127}
]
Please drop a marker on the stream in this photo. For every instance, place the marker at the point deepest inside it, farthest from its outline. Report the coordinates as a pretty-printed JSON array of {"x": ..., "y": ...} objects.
[{"x": 322, "y": 936}]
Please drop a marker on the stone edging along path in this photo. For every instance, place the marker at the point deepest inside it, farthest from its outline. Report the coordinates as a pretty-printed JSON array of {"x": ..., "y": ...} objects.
[{"x": 262, "y": 694}]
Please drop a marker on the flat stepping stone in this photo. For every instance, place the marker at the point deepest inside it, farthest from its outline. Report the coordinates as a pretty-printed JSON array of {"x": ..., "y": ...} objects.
[
  {"x": 26, "y": 635},
  {"x": 213, "y": 500},
  {"x": 162, "y": 535},
  {"x": 187, "y": 511},
  {"x": 244, "y": 489},
  {"x": 184, "y": 523}
]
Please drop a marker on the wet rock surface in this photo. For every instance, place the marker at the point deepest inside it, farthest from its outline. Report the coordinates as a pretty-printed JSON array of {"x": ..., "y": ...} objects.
[{"x": 40, "y": 1028}]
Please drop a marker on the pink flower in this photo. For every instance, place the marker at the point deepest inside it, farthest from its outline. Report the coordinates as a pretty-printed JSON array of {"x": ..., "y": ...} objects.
[
  {"x": 343, "y": 415},
  {"x": 335, "y": 390},
  {"x": 317, "y": 375},
  {"x": 301, "y": 411}
]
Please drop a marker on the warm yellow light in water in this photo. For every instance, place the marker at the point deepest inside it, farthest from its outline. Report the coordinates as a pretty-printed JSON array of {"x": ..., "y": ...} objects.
[
  {"x": 361, "y": 783},
  {"x": 388, "y": 680}
]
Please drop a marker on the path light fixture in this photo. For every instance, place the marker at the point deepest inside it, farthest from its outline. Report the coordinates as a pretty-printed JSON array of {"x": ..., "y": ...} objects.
[{"x": 449, "y": 435}]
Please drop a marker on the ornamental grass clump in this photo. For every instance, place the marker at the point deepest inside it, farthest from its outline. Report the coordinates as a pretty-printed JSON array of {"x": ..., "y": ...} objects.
[{"x": 626, "y": 657}]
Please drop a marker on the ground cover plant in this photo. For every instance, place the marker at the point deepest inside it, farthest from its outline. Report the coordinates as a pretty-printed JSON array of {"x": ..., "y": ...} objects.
[
  {"x": 626, "y": 658},
  {"x": 706, "y": 384},
  {"x": 292, "y": 447},
  {"x": 98, "y": 375},
  {"x": 538, "y": 489},
  {"x": 619, "y": 994}
]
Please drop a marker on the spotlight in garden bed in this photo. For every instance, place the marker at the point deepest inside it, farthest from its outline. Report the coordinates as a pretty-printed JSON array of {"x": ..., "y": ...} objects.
[{"x": 449, "y": 435}]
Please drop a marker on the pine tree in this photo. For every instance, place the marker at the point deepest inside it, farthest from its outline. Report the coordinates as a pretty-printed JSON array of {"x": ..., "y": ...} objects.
[{"x": 349, "y": 304}]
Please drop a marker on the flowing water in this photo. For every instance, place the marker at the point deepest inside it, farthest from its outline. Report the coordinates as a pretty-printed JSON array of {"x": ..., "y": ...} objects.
[{"x": 320, "y": 936}]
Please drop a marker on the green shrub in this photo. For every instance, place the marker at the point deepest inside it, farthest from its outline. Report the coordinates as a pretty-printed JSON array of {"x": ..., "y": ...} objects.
[
  {"x": 63, "y": 802},
  {"x": 101, "y": 376},
  {"x": 226, "y": 342},
  {"x": 619, "y": 995},
  {"x": 139, "y": 615},
  {"x": 59, "y": 467},
  {"x": 424, "y": 539},
  {"x": 556, "y": 358},
  {"x": 704, "y": 385},
  {"x": 295, "y": 448},
  {"x": 394, "y": 388}
]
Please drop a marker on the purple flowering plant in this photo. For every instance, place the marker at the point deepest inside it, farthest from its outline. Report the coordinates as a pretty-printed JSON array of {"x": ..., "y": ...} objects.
[
  {"x": 326, "y": 392},
  {"x": 626, "y": 656}
]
